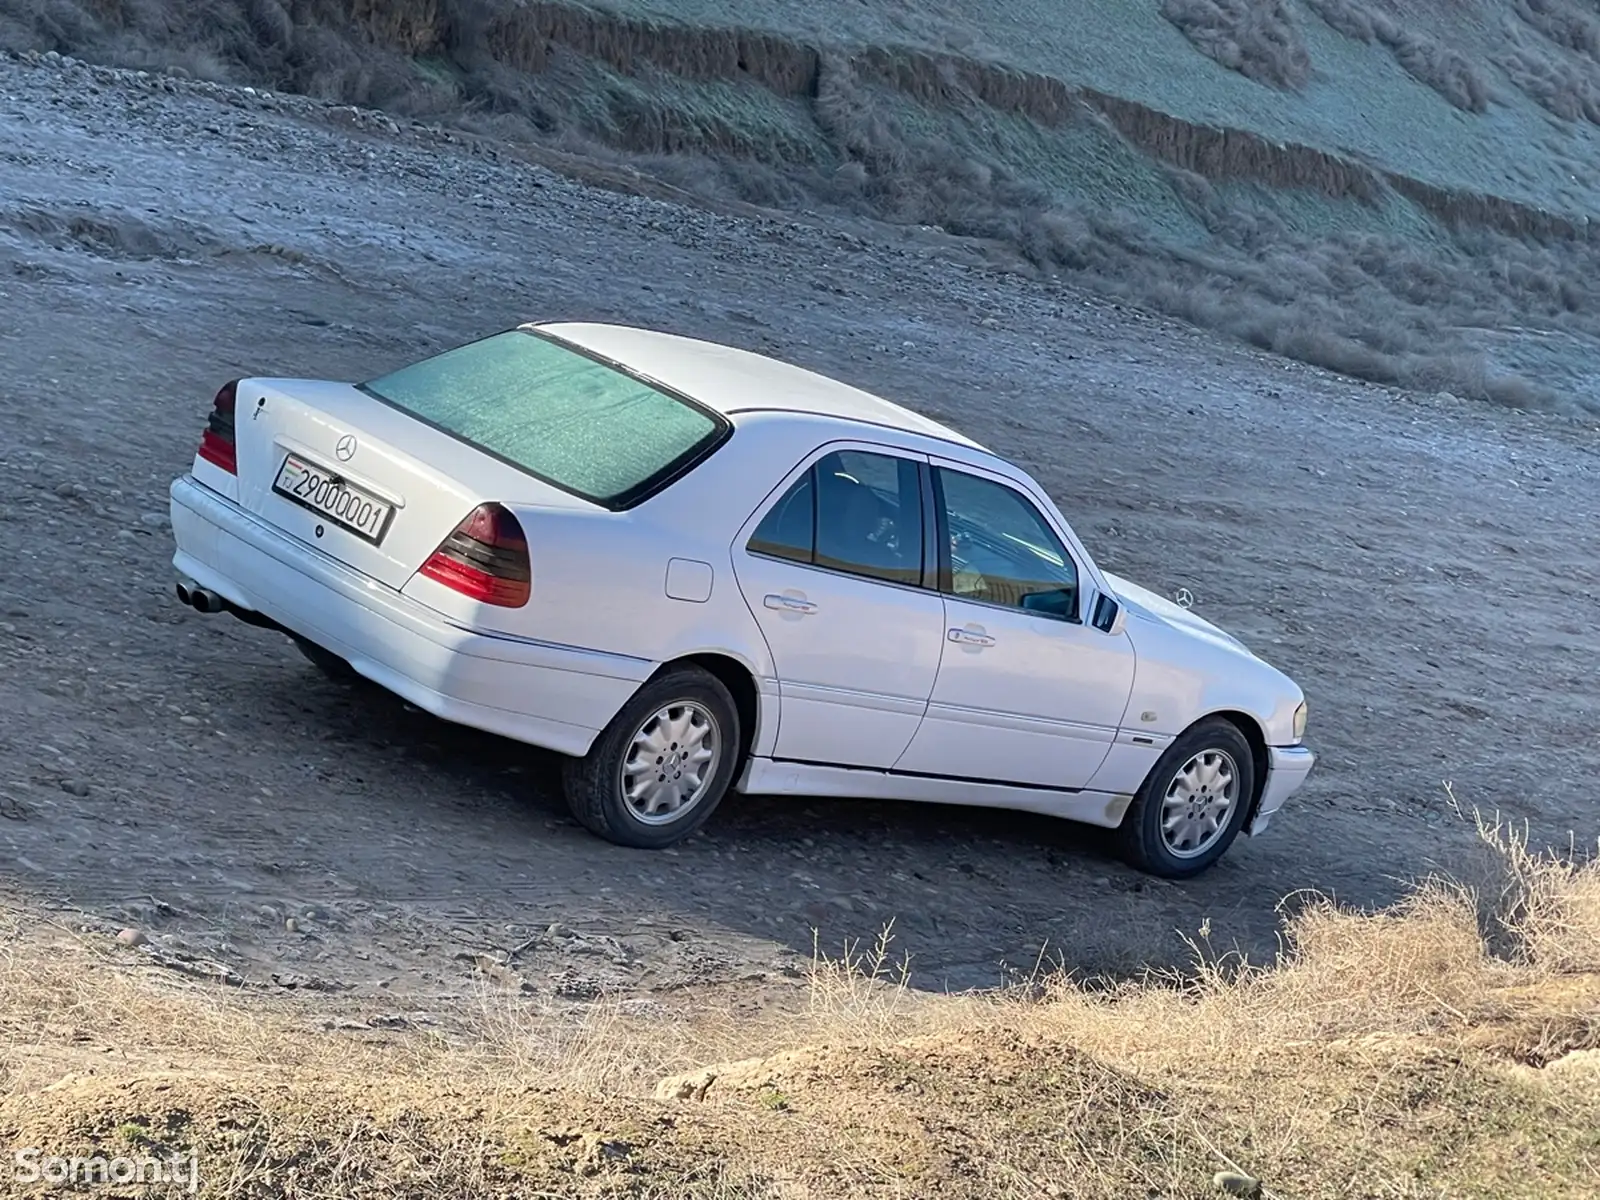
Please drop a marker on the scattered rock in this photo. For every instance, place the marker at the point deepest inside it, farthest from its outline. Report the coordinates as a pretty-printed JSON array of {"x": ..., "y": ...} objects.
[
  {"x": 1237, "y": 1183},
  {"x": 308, "y": 983}
]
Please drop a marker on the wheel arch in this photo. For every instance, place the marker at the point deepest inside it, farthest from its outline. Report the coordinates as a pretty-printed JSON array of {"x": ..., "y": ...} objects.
[
  {"x": 740, "y": 680},
  {"x": 1256, "y": 736}
]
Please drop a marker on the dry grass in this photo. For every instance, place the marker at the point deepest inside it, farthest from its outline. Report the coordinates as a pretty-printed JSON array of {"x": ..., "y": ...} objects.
[{"x": 1440, "y": 1048}]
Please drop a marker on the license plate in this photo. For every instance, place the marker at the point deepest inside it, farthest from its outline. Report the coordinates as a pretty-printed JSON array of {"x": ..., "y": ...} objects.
[{"x": 328, "y": 495}]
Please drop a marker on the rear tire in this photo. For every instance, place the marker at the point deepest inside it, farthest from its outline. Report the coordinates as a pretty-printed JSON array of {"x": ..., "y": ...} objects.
[
  {"x": 1193, "y": 804},
  {"x": 660, "y": 768}
]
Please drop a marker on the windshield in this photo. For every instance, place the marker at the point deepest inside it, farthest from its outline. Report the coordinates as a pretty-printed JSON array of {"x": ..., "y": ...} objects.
[{"x": 578, "y": 422}]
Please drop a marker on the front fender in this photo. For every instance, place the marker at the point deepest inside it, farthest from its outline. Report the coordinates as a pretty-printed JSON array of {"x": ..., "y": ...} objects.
[{"x": 1182, "y": 678}]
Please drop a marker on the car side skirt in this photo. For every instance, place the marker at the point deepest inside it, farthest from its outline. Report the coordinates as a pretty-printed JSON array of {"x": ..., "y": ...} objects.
[{"x": 770, "y": 777}]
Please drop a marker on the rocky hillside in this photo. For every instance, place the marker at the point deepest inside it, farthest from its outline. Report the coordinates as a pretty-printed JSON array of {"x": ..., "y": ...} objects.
[{"x": 1395, "y": 191}]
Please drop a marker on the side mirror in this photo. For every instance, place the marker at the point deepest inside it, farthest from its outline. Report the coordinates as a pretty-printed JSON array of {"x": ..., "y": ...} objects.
[
  {"x": 1061, "y": 603},
  {"x": 1109, "y": 616}
]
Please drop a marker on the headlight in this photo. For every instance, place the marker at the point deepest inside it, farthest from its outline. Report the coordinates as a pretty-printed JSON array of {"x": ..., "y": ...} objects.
[{"x": 1300, "y": 721}]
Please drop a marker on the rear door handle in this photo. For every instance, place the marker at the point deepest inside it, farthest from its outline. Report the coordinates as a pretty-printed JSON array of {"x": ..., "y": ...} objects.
[
  {"x": 789, "y": 604},
  {"x": 969, "y": 638}
]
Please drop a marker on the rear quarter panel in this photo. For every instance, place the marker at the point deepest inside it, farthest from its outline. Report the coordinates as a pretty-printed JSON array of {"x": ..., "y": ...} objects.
[{"x": 600, "y": 577}]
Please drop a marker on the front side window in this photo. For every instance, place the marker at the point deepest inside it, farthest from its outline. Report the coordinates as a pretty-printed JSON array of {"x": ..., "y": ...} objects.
[
  {"x": 853, "y": 511},
  {"x": 1000, "y": 550}
]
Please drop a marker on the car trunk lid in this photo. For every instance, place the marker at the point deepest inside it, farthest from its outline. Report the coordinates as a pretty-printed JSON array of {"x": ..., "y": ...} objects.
[{"x": 362, "y": 481}]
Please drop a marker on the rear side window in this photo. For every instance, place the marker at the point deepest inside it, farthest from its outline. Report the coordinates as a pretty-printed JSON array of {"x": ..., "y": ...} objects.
[
  {"x": 790, "y": 527},
  {"x": 581, "y": 423},
  {"x": 853, "y": 511}
]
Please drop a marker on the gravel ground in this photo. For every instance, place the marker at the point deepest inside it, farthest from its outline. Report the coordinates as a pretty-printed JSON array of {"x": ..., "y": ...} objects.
[{"x": 1426, "y": 568}]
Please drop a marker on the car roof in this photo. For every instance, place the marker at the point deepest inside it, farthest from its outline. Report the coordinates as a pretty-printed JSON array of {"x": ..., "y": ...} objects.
[{"x": 732, "y": 381}]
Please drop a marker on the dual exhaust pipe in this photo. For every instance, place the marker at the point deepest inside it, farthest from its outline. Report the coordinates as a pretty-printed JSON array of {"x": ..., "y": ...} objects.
[
  {"x": 204, "y": 600},
  {"x": 200, "y": 599}
]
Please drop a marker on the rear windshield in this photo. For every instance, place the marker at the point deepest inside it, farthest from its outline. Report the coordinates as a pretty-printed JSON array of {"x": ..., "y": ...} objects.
[{"x": 551, "y": 410}]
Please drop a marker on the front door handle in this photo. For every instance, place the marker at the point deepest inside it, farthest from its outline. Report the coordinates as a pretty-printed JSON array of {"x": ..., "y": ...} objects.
[
  {"x": 789, "y": 604},
  {"x": 969, "y": 638}
]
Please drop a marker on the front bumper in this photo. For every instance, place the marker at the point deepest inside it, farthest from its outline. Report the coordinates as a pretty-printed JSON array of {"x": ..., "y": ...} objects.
[
  {"x": 549, "y": 695},
  {"x": 1287, "y": 768}
]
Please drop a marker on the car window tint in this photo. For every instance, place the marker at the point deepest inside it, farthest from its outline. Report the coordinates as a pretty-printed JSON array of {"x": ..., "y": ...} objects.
[
  {"x": 789, "y": 528},
  {"x": 869, "y": 516},
  {"x": 1001, "y": 550}
]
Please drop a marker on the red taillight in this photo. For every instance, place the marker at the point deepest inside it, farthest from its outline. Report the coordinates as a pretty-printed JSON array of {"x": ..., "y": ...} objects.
[
  {"x": 216, "y": 443},
  {"x": 486, "y": 558}
]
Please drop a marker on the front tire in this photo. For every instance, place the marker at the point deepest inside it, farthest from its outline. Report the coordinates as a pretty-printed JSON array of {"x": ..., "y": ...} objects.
[
  {"x": 1193, "y": 804},
  {"x": 659, "y": 769}
]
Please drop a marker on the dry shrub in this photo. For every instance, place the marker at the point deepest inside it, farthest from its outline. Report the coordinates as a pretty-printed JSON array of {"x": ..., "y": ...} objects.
[
  {"x": 1353, "y": 18},
  {"x": 1450, "y": 957},
  {"x": 1538, "y": 911},
  {"x": 1444, "y": 69},
  {"x": 1557, "y": 67},
  {"x": 1566, "y": 89},
  {"x": 1256, "y": 38},
  {"x": 1413, "y": 969},
  {"x": 1427, "y": 60},
  {"x": 1567, "y": 25},
  {"x": 1403, "y": 970}
]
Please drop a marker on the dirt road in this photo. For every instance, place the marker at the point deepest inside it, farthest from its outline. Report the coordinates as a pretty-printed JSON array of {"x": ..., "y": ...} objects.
[{"x": 1426, "y": 568}]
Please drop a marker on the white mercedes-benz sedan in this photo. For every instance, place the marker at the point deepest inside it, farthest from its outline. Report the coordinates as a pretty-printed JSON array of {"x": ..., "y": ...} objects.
[{"x": 690, "y": 569}]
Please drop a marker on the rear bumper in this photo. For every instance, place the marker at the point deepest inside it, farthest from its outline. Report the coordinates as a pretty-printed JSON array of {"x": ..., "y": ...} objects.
[
  {"x": 1287, "y": 768},
  {"x": 549, "y": 695}
]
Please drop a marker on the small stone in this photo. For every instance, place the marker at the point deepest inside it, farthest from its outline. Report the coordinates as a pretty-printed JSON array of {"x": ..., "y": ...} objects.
[
  {"x": 1237, "y": 1183},
  {"x": 132, "y": 937}
]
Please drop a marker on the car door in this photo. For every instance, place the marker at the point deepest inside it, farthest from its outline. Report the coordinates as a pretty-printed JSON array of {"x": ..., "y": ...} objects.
[
  {"x": 1027, "y": 692},
  {"x": 838, "y": 572}
]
